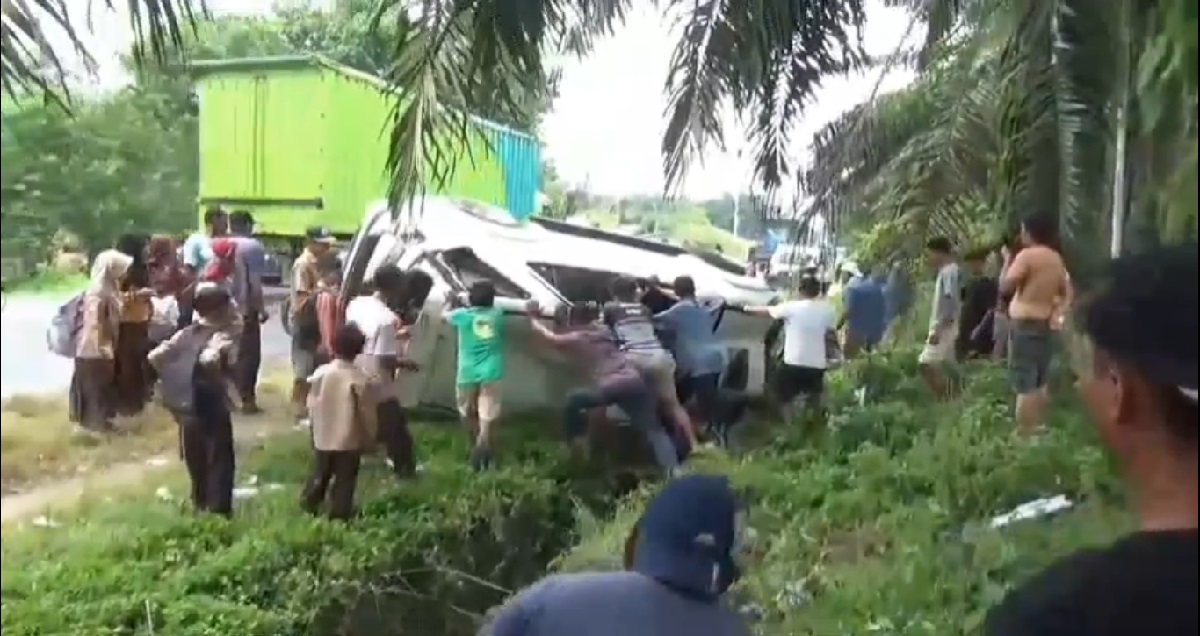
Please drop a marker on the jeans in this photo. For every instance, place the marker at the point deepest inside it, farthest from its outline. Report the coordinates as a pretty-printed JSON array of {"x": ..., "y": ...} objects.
[{"x": 636, "y": 399}]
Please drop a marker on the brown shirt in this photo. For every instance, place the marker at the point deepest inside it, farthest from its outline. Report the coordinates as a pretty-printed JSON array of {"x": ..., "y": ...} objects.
[
  {"x": 342, "y": 408},
  {"x": 305, "y": 277}
]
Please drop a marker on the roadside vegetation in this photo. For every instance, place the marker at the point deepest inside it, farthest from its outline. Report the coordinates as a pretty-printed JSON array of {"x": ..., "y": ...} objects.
[{"x": 878, "y": 524}]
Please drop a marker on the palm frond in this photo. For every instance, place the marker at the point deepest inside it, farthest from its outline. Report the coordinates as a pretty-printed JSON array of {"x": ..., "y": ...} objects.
[{"x": 30, "y": 66}]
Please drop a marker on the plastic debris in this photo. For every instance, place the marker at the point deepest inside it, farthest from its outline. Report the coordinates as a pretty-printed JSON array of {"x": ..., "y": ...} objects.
[{"x": 1032, "y": 510}]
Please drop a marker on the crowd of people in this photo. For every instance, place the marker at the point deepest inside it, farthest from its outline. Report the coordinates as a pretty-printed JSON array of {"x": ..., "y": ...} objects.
[
  {"x": 1133, "y": 351},
  {"x": 653, "y": 352}
]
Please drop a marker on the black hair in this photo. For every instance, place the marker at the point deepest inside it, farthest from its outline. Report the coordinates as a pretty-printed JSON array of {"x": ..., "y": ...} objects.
[
  {"x": 624, "y": 288},
  {"x": 209, "y": 299},
  {"x": 388, "y": 279},
  {"x": 939, "y": 244},
  {"x": 348, "y": 343},
  {"x": 212, "y": 214},
  {"x": 1042, "y": 228},
  {"x": 482, "y": 294},
  {"x": 685, "y": 287},
  {"x": 810, "y": 286},
  {"x": 1144, "y": 319},
  {"x": 977, "y": 255},
  {"x": 417, "y": 285},
  {"x": 134, "y": 246},
  {"x": 241, "y": 219}
]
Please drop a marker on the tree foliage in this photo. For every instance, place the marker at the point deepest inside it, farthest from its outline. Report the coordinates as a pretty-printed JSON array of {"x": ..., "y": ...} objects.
[{"x": 128, "y": 160}]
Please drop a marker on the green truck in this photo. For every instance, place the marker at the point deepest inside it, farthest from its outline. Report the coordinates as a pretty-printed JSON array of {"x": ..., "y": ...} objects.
[{"x": 301, "y": 141}]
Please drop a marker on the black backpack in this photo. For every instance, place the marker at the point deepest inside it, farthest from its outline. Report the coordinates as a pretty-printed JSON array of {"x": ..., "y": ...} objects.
[{"x": 306, "y": 329}]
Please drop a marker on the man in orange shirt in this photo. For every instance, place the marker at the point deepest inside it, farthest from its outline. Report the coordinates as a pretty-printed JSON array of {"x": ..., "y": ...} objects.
[{"x": 1041, "y": 291}]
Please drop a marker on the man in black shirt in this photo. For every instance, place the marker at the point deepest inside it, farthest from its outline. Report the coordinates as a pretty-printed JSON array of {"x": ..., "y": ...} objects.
[
  {"x": 974, "y": 318},
  {"x": 1134, "y": 350}
]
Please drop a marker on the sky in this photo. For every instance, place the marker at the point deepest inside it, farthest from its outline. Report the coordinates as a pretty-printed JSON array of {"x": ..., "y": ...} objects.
[{"x": 604, "y": 130}]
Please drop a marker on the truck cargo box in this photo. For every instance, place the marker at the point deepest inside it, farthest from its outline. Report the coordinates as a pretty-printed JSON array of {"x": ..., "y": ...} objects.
[{"x": 301, "y": 141}]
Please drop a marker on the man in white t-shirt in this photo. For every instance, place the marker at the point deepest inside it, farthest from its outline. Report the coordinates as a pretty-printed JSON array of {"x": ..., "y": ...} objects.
[
  {"x": 808, "y": 330},
  {"x": 943, "y": 316},
  {"x": 381, "y": 359}
]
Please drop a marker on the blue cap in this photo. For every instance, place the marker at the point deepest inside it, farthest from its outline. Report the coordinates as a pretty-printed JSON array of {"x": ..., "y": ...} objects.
[{"x": 687, "y": 535}]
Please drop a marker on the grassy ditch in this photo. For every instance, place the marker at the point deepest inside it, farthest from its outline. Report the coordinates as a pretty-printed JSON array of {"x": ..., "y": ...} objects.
[
  {"x": 880, "y": 525},
  {"x": 876, "y": 526},
  {"x": 425, "y": 559}
]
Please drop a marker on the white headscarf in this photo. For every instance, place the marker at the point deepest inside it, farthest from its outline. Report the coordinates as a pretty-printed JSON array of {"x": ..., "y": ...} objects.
[{"x": 107, "y": 270}]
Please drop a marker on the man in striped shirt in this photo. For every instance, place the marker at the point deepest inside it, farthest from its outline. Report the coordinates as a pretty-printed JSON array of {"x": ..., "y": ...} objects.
[{"x": 633, "y": 326}]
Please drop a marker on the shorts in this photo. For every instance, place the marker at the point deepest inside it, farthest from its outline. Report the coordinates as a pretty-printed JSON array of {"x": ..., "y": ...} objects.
[
  {"x": 943, "y": 352},
  {"x": 658, "y": 367},
  {"x": 480, "y": 401},
  {"x": 1029, "y": 352},
  {"x": 305, "y": 361},
  {"x": 793, "y": 381}
]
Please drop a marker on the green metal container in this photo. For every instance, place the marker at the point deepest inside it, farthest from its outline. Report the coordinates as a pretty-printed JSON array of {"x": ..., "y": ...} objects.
[{"x": 302, "y": 141}]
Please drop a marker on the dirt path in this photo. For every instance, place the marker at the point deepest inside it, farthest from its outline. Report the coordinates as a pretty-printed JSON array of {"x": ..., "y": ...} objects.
[{"x": 68, "y": 492}]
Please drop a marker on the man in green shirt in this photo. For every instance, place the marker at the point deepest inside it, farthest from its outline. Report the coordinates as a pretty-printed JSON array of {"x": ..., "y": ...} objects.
[{"x": 480, "y": 331}]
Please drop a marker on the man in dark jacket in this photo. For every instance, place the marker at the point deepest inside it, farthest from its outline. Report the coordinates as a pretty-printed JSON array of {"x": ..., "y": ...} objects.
[{"x": 679, "y": 560}]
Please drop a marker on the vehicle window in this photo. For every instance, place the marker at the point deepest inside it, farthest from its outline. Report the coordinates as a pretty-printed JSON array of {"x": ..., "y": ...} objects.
[
  {"x": 469, "y": 268},
  {"x": 578, "y": 284}
]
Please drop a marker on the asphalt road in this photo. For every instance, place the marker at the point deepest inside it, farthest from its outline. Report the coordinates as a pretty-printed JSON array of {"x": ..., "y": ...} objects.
[{"x": 28, "y": 367}]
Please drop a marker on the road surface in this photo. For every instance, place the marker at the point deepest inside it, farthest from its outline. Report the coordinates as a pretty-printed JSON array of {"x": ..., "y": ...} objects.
[{"x": 28, "y": 367}]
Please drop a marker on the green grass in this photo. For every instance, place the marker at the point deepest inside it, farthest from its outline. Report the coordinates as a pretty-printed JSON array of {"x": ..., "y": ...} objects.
[
  {"x": 48, "y": 283},
  {"x": 876, "y": 524}
]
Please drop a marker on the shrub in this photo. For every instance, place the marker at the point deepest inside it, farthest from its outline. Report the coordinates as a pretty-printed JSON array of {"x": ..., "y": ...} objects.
[
  {"x": 880, "y": 525},
  {"x": 425, "y": 558}
]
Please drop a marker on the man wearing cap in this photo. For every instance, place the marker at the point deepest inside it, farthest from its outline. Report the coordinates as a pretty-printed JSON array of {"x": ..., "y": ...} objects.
[
  {"x": 306, "y": 275},
  {"x": 679, "y": 561},
  {"x": 1133, "y": 350}
]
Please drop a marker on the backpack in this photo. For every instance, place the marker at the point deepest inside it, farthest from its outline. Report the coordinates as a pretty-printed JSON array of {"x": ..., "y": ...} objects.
[
  {"x": 63, "y": 333},
  {"x": 306, "y": 329}
]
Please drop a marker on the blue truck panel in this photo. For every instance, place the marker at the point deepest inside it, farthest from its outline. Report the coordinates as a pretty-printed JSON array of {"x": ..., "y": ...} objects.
[{"x": 520, "y": 159}]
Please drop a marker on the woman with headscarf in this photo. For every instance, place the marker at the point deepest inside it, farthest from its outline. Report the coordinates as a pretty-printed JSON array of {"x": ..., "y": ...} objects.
[
  {"x": 91, "y": 396},
  {"x": 132, "y": 378}
]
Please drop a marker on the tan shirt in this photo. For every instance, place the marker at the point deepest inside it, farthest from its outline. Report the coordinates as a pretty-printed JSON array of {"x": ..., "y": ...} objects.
[
  {"x": 305, "y": 277},
  {"x": 99, "y": 321},
  {"x": 342, "y": 408}
]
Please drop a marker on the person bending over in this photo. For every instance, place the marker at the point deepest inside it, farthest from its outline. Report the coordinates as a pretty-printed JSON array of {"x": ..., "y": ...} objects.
[
  {"x": 344, "y": 426},
  {"x": 614, "y": 381},
  {"x": 633, "y": 325},
  {"x": 699, "y": 354},
  {"x": 1133, "y": 350}
]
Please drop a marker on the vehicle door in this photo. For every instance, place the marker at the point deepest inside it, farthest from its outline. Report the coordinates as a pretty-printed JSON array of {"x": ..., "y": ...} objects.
[
  {"x": 365, "y": 251},
  {"x": 430, "y": 346}
]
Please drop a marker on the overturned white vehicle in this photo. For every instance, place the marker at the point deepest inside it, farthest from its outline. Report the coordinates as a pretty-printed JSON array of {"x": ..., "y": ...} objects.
[{"x": 458, "y": 242}]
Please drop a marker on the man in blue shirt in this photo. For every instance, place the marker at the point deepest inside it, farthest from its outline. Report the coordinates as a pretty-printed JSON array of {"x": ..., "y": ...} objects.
[
  {"x": 248, "y": 294},
  {"x": 679, "y": 561},
  {"x": 865, "y": 315},
  {"x": 197, "y": 249}
]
